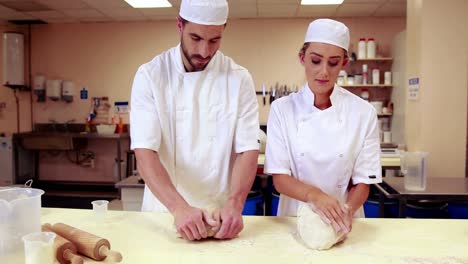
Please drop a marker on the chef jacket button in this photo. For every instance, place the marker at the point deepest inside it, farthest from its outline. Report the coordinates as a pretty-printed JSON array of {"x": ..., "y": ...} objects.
[
  {"x": 302, "y": 154},
  {"x": 341, "y": 155}
]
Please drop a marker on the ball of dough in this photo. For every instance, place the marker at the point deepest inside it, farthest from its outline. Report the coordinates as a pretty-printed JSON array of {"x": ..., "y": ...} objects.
[{"x": 315, "y": 233}]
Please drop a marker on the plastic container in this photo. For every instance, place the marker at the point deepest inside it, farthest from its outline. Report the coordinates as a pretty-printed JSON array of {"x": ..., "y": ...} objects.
[
  {"x": 375, "y": 76},
  {"x": 39, "y": 248},
  {"x": 426, "y": 209},
  {"x": 105, "y": 129},
  {"x": 358, "y": 79},
  {"x": 254, "y": 204},
  {"x": 274, "y": 203},
  {"x": 371, "y": 48},
  {"x": 350, "y": 80},
  {"x": 371, "y": 208},
  {"x": 20, "y": 214},
  {"x": 458, "y": 210},
  {"x": 413, "y": 166},
  {"x": 388, "y": 78},
  {"x": 361, "y": 49},
  {"x": 100, "y": 208},
  {"x": 365, "y": 94},
  {"x": 342, "y": 78}
]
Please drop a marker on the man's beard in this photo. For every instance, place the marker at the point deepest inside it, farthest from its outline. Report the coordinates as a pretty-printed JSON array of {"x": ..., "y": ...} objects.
[{"x": 195, "y": 67}]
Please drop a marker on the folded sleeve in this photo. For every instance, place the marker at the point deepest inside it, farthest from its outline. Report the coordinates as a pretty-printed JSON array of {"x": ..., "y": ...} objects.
[
  {"x": 145, "y": 127},
  {"x": 276, "y": 153},
  {"x": 367, "y": 168},
  {"x": 247, "y": 125}
]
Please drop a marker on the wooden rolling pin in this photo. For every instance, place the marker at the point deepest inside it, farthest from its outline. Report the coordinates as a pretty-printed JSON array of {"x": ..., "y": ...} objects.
[
  {"x": 65, "y": 251},
  {"x": 88, "y": 244}
]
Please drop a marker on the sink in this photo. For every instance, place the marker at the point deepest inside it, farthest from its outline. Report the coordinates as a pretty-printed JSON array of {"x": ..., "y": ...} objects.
[
  {"x": 54, "y": 136},
  {"x": 53, "y": 141}
]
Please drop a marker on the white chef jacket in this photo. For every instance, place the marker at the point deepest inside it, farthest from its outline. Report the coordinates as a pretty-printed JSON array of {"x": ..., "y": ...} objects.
[
  {"x": 324, "y": 148},
  {"x": 196, "y": 121}
]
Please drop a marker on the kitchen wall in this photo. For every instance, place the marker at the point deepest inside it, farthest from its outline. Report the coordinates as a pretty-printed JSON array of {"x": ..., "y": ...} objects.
[
  {"x": 103, "y": 57},
  {"x": 437, "y": 45}
]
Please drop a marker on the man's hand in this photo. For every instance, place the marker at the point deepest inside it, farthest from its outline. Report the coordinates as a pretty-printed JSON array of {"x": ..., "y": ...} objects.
[
  {"x": 189, "y": 222},
  {"x": 230, "y": 217}
]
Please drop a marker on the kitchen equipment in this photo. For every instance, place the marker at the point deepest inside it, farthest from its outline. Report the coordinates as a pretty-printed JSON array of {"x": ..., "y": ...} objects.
[
  {"x": 39, "y": 248},
  {"x": 362, "y": 48},
  {"x": 100, "y": 208},
  {"x": 39, "y": 87},
  {"x": 7, "y": 176},
  {"x": 13, "y": 60},
  {"x": 53, "y": 89},
  {"x": 88, "y": 244},
  {"x": 264, "y": 94},
  {"x": 65, "y": 251},
  {"x": 20, "y": 214},
  {"x": 371, "y": 48},
  {"x": 413, "y": 165},
  {"x": 272, "y": 94},
  {"x": 68, "y": 90}
]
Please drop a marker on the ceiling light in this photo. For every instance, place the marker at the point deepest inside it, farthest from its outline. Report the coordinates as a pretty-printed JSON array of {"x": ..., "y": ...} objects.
[
  {"x": 321, "y": 2},
  {"x": 148, "y": 3}
]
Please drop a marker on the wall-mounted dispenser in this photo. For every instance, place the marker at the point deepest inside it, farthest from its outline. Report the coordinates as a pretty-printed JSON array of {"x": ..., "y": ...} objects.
[
  {"x": 54, "y": 89},
  {"x": 68, "y": 89},
  {"x": 13, "y": 60},
  {"x": 39, "y": 87}
]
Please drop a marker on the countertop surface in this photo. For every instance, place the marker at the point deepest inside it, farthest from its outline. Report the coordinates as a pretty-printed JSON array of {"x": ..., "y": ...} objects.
[
  {"x": 434, "y": 186},
  {"x": 150, "y": 238},
  {"x": 385, "y": 161}
]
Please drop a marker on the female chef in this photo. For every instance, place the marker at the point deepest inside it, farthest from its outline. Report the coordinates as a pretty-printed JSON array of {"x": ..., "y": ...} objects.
[{"x": 323, "y": 144}]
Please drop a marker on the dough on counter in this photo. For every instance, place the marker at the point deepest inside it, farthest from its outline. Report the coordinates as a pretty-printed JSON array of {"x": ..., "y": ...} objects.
[{"x": 315, "y": 233}]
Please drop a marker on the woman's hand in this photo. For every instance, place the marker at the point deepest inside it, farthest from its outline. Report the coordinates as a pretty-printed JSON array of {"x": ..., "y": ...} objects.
[{"x": 332, "y": 212}]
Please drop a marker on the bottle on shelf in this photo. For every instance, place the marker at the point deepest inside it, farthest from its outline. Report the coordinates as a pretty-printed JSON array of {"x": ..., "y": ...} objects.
[
  {"x": 388, "y": 78},
  {"x": 376, "y": 76},
  {"x": 371, "y": 48},
  {"x": 365, "y": 94},
  {"x": 364, "y": 74},
  {"x": 362, "y": 48}
]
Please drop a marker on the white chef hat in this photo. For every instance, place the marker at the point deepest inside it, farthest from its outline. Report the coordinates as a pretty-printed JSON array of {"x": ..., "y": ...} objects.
[
  {"x": 205, "y": 12},
  {"x": 328, "y": 31}
]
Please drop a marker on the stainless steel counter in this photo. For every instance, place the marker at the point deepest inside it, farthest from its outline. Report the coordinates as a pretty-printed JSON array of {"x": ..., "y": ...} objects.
[{"x": 437, "y": 189}]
